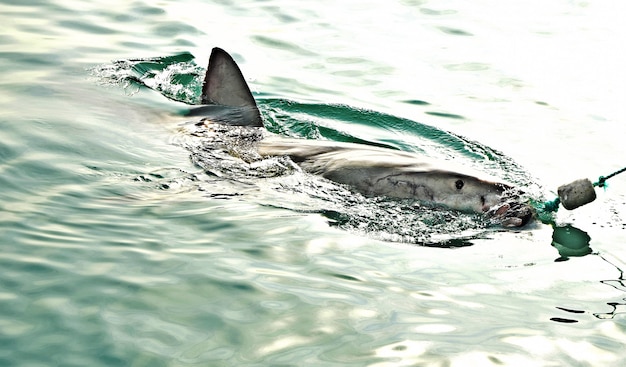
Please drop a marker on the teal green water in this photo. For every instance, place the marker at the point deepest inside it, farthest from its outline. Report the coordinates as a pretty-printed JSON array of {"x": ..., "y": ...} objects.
[{"x": 103, "y": 265}]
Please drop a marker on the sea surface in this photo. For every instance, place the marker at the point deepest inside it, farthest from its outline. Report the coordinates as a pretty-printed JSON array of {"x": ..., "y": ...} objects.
[{"x": 124, "y": 242}]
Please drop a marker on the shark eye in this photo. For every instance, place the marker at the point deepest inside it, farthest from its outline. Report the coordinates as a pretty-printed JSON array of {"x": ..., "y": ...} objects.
[{"x": 459, "y": 184}]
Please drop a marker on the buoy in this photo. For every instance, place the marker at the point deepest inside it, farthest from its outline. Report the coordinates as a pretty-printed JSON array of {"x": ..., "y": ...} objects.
[
  {"x": 573, "y": 195},
  {"x": 576, "y": 194}
]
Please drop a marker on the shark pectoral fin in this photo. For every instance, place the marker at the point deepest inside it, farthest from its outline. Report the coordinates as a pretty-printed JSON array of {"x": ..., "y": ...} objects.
[{"x": 225, "y": 85}]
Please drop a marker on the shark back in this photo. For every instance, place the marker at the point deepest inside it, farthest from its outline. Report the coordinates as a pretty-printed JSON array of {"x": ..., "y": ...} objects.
[{"x": 225, "y": 86}]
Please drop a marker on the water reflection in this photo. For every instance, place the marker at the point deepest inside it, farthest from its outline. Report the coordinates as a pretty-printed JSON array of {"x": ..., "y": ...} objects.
[
  {"x": 574, "y": 242},
  {"x": 570, "y": 241},
  {"x": 619, "y": 284}
]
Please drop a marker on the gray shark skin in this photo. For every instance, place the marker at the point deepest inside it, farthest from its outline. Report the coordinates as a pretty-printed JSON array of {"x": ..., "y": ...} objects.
[
  {"x": 376, "y": 171},
  {"x": 370, "y": 170}
]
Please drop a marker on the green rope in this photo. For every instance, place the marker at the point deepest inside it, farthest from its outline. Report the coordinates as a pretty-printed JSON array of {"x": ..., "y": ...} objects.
[
  {"x": 553, "y": 206},
  {"x": 602, "y": 180}
]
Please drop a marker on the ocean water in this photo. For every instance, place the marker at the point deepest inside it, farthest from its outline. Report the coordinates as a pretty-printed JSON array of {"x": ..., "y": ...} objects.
[{"x": 118, "y": 249}]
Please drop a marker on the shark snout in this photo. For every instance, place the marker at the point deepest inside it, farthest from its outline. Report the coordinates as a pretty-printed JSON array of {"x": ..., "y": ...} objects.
[{"x": 506, "y": 207}]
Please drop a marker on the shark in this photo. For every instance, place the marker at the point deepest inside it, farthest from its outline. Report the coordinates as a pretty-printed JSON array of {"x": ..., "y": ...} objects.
[{"x": 371, "y": 170}]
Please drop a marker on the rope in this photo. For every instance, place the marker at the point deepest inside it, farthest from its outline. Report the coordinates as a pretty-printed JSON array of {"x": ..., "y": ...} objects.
[
  {"x": 602, "y": 180},
  {"x": 553, "y": 206}
]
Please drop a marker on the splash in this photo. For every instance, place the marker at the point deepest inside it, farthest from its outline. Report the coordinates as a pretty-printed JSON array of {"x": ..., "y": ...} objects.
[{"x": 176, "y": 77}]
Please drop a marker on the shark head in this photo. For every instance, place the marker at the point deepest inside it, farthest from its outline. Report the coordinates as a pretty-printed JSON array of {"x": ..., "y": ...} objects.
[
  {"x": 461, "y": 192},
  {"x": 500, "y": 202}
]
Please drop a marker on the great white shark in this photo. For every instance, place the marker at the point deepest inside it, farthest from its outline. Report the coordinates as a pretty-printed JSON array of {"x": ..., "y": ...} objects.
[{"x": 370, "y": 170}]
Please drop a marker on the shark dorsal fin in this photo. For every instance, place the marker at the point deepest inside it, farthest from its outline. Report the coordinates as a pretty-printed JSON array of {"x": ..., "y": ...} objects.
[{"x": 225, "y": 85}]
